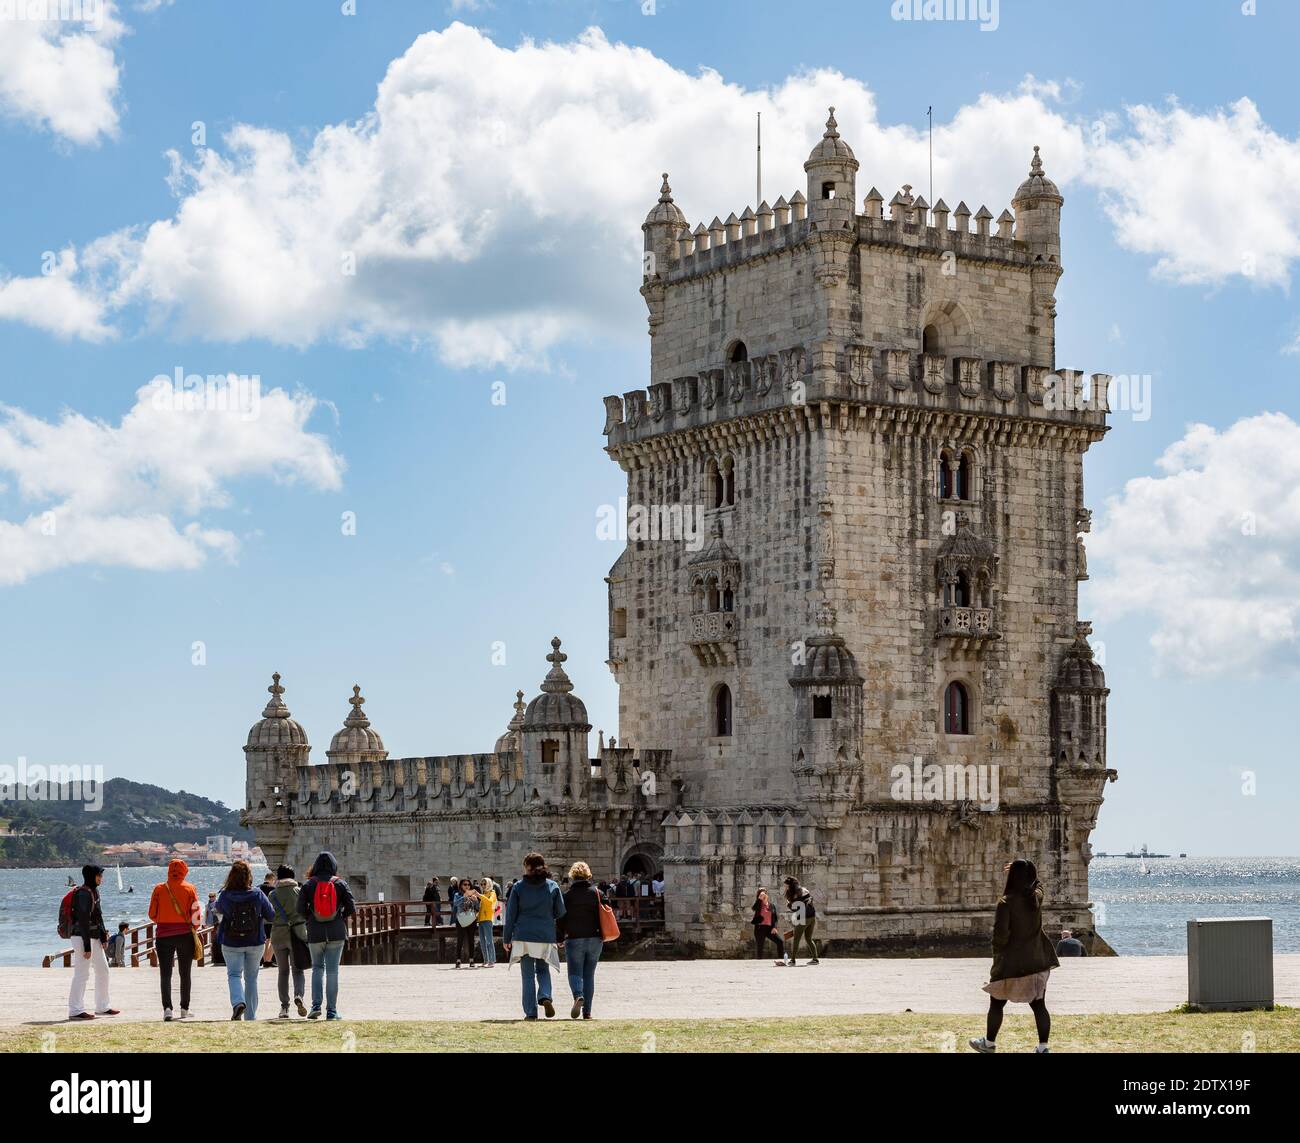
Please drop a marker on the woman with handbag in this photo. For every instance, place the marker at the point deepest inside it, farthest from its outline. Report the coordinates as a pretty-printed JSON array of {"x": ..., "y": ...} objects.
[
  {"x": 584, "y": 928},
  {"x": 466, "y": 921},
  {"x": 289, "y": 940},
  {"x": 174, "y": 910}
]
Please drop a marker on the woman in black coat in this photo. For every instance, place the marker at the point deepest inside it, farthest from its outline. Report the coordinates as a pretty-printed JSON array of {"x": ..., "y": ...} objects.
[{"x": 1023, "y": 955}]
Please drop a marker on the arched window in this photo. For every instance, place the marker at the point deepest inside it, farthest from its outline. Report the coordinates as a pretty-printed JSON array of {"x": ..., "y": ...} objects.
[
  {"x": 963, "y": 488},
  {"x": 956, "y": 709},
  {"x": 930, "y": 340},
  {"x": 728, "y": 599},
  {"x": 945, "y": 475},
  {"x": 713, "y": 479},
  {"x": 714, "y": 598},
  {"x": 958, "y": 591},
  {"x": 722, "y": 711},
  {"x": 738, "y": 352}
]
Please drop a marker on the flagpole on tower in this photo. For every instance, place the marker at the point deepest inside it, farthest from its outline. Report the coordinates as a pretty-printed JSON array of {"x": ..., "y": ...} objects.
[
  {"x": 929, "y": 114},
  {"x": 758, "y": 186}
]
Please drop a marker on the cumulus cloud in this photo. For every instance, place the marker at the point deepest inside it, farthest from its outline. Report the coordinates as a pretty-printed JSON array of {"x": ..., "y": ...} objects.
[
  {"x": 1204, "y": 193},
  {"x": 1211, "y": 550},
  {"x": 61, "y": 75},
  {"x": 56, "y": 302},
  {"x": 136, "y": 494},
  {"x": 489, "y": 204}
]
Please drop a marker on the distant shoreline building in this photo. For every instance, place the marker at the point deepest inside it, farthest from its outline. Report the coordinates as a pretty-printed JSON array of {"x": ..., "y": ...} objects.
[{"x": 871, "y": 674}]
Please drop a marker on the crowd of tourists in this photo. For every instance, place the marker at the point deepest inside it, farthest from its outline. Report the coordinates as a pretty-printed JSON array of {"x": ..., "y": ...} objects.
[{"x": 299, "y": 927}]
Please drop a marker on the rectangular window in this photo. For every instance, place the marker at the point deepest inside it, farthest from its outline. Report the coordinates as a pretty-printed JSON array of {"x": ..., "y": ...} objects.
[
  {"x": 620, "y": 622},
  {"x": 550, "y": 752},
  {"x": 821, "y": 706}
]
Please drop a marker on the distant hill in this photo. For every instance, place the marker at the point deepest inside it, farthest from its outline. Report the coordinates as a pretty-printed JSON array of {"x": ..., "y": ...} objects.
[{"x": 67, "y": 832}]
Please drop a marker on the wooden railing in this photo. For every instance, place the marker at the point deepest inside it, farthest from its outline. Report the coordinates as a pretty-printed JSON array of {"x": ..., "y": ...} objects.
[
  {"x": 141, "y": 947},
  {"x": 376, "y": 925}
]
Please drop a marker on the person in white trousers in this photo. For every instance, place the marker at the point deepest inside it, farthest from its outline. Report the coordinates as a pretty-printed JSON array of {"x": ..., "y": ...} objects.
[{"x": 89, "y": 938}]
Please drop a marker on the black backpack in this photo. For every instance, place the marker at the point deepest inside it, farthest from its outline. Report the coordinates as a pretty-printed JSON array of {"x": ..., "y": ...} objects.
[{"x": 243, "y": 921}]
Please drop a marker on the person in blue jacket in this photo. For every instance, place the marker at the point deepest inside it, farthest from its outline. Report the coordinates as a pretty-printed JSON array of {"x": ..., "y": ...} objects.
[
  {"x": 528, "y": 935},
  {"x": 245, "y": 914}
]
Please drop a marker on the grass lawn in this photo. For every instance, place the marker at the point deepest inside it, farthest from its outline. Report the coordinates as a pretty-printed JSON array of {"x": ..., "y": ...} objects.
[{"x": 1277, "y": 1031}]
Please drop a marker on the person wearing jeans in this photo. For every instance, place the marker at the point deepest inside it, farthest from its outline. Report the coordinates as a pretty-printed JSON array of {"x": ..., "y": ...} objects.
[
  {"x": 325, "y": 903},
  {"x": 487, "y": 907},
  {"x": 579, "y": 931},
  {"x": 245, "y": 913},
  {"x": 325, "y": 958},
  {"x": 529, "y": 934}
]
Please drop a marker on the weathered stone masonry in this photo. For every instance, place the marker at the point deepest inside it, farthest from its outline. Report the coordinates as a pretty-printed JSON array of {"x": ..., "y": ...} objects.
[{"x": 867, "y": 414}]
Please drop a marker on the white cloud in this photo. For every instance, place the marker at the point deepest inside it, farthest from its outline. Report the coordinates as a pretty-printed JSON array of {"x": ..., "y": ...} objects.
[
  {"x": 55, "y": 302},
  {"x": 1207, "y": 194},
  {"x": 136, "y": 494},
  {"x": 490, "y": 202},
  {"x": 1211, "y": 550},
  {"x": 61, "y": 75}
]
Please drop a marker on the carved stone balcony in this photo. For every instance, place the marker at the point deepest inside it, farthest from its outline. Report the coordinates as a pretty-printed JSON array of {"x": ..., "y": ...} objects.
[
  {"x": 967, "y": 630},
  {"x": 713, "y": 637}
]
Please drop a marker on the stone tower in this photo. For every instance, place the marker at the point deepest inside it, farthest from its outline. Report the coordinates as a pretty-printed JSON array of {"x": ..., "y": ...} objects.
[
  {"x": 865, "y": 415},
  {"x": 277, "y": 746}
]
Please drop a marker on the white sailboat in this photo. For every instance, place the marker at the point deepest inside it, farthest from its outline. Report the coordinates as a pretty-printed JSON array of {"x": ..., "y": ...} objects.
[{"x": 119, "y": 877}]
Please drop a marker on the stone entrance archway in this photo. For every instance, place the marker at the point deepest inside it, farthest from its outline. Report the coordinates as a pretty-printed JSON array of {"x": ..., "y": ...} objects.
[{"x": 644, "y": 858}]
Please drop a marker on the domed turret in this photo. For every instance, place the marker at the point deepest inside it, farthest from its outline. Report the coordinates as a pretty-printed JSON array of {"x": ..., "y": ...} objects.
[
  {"x": 1038, "y": 214},
  {"x": 277, "y": 747},
  {"x": 357, "y": 741},
  {"x": 828, "y": 718},
  {"x": 553, "y": 737},
  {"x": 510, "y": 739},
  {"x": 832, "y": 171},
  {"x": 661, "y": 228},
  {"x": 276, "y": 728},
  {"x": 557, "y": 707},
  {"x": 1037, "y": 185},
  {"x": 1078, "y": 720}
]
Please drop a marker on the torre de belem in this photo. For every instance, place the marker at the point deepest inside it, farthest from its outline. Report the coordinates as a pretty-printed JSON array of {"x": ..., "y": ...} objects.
[{"x": 866, "y": 667}]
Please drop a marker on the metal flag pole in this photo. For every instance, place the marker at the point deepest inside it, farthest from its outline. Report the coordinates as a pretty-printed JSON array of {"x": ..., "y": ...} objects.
[
  {"x": 929, "y": 114},
  {"x": 758, "y": 186}
]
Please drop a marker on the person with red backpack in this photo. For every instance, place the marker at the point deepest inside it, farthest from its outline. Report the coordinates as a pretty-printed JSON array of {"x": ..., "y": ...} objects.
[
  {"x": 244, "y": 912},
  {"x": 325, "y": 903},
  {"x": 82, "y": 921}
]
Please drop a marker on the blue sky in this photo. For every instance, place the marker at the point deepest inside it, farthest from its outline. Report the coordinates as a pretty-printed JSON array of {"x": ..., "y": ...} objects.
[{"x": 491, "y": 192}]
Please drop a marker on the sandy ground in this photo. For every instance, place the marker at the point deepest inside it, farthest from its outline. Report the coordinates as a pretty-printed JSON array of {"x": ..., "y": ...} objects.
[{"x": 654, "y": 990}]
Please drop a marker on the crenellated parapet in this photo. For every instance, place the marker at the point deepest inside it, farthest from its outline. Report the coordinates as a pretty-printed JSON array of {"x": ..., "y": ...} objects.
[
  {"x": 456, "y": 782},
  {"x": 860, "y": 374},
  {"x": 754, "y": 833}
]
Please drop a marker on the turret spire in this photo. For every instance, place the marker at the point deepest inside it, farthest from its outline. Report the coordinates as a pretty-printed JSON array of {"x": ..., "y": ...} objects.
[{"x": 556, "y": 681}]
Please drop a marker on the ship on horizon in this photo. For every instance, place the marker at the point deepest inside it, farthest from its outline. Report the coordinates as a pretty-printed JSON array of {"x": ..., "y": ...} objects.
[{"x": 1142, "y": 853}]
